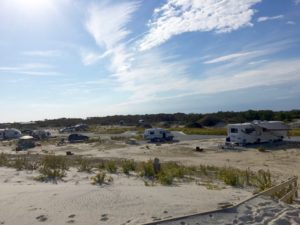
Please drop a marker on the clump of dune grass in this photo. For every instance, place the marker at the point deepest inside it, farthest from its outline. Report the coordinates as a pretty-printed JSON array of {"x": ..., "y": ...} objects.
[
  {"x": 128, "y": 165},
  {"x": 261, "y": 149},
  {"x": 3, "y": 159},
  {"x": 84, "y": 165},
  {"x": 147, "y": 169},
  {"x": 53, "y": 168},
  {"x": 99, "y": 178},
  {"x": 111, "y": 166}
]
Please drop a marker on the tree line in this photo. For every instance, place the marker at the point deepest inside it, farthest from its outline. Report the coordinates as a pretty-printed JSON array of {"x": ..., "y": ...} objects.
[{"x": 189, "y": 120}]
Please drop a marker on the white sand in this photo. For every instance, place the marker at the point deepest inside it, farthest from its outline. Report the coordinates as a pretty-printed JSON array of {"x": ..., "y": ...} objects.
[
  {"x": 261, "y": 210},
  {"x": 125, "y": 201}
]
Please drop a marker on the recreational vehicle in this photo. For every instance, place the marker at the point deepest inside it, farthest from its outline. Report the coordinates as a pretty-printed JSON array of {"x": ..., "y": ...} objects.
[
  {"x": 10, "y": 133},
  {"x": 158, "y": 134},
  {"x": 256, "y": 132}
]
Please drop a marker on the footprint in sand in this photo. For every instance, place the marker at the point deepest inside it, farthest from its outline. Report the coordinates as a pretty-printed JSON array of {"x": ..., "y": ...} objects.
[
  {"x": 71, "y": 221},
  {"x": 104, "y": 217},
  {"x": 42, "y": 218},
  {"x": 72, "y": 216}
]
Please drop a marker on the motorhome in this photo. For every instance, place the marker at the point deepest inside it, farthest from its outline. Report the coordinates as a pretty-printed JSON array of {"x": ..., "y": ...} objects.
[
  {"x": 158, "y": 134},
  {"x": 256, "y": 132},
  {"x": 10, "y": 133}
]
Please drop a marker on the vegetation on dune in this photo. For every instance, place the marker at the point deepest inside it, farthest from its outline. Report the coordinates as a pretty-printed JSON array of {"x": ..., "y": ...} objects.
[
  {"x": 168, "y": 173},
  {"x": 201, "y": 131},
  {"x": 53, "y": 167}
]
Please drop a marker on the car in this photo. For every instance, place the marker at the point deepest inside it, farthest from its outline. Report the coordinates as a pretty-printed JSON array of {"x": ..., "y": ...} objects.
[{"x": 77, "y": 138}]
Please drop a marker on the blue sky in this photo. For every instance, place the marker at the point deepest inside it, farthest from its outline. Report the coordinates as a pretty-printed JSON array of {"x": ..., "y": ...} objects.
[{"x": 74, "y": 58}]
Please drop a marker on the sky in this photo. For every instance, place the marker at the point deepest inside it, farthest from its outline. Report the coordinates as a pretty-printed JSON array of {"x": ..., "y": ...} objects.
[{"x": 85, "y": 58}]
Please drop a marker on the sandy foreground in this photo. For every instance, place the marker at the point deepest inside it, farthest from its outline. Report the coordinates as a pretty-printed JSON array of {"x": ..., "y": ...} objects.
[
  {"x": 127, "y": 200},
  {"x": 76, "y": 201}
]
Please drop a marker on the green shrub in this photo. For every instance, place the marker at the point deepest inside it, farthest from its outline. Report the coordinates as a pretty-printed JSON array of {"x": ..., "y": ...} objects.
[
  {"x": 110, "y": 166},
  {"x": 53, "y": 167},
  {"x": 128, "y": 165}
]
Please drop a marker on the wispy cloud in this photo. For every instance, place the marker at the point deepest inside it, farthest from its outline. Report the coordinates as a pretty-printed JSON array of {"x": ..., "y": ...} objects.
[
  {"x": 297, "y": 2},
  {"x": 89, "y": 57},
  {"x": 266, "y": 18},
  {"x": 180, "y": 16},
  {"x": 33, "y": 69},
  {"x": 107, "y": 24},
  {"x": 48, "y": 53},
  {"x": 230, "y": 57}
]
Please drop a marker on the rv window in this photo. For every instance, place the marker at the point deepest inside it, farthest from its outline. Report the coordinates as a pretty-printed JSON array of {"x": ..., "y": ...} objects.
[
  {"x": 249, "y": 130},
  {"x": 234, "y": 130},
  {"x": 151, "y": 132}
]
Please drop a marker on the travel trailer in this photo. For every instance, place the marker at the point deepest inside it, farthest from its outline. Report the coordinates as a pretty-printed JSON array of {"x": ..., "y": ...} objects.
[
  {"x": 10, "y": 133},
  {"x": 158, "y": 134},
  {"x": 256, "y": 132},
  {"x": 40, "y": 134}
]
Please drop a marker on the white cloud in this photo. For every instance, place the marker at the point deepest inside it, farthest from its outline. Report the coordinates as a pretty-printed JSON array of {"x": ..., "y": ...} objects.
[
  {"x": 106, "y": 23},
  {"x": 180, "y": 16},
  {"x": 48, "y": 53},
  {"x": 297, "y": 2},
  {"x": 290, "y": 22},
  {"x": 230, "y": 57},
  {"x": 266, "y": 18}
]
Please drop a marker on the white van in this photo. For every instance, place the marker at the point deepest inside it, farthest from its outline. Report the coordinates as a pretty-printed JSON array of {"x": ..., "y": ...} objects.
[{"x": 158, "y": 134}]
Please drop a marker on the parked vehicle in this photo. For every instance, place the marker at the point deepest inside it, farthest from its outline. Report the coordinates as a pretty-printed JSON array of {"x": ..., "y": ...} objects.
[
  {"x": 158, "y": 134},
  {"x": 67, "y": 130},
  {"x": 40, "y": 134},
  {"x": 256, "y": 132},
  {"x": 81, "y": 127},
  {"x": 77, "y": 138},
  {"x": 77, "y": 127},
  {"x": 10, "y": 133},
  {"x": 25, "y": 142}
]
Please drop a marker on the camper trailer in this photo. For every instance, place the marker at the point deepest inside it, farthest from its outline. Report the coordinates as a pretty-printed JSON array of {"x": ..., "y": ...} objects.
[
  {"x": 2, "y": 134},
  {"x": 158, "y": 134},
  {"x": 10, "y": 133},
  {"x": 40, "y": 134},
  {"x": 256, "y": 132}
]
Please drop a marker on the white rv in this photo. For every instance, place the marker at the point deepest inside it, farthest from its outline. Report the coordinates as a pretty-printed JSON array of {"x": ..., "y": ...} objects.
[
  {"x": 10, "y": 133},
  {"x": 158, "y": 134},
  {"x": 256, "y": 132}
]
